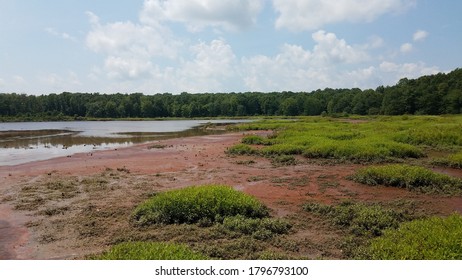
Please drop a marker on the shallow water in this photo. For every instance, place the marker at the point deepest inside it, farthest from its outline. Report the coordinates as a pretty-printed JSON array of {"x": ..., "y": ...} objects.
[{"x": 31, "y": 141}]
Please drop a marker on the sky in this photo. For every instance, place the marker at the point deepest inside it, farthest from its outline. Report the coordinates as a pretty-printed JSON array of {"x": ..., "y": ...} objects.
[{"x": 157, "y": 46}]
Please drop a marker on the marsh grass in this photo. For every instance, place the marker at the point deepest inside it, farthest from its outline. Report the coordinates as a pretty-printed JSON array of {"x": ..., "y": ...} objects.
[
  {"x": 363, "y": 222},
  {"x": 283, "y": 160},
  {"x": 409, "y": 177},
  {"x": 192, "y": 204},
  {"x": 454, "y": 161},
  {"x": 241, "y": 149},
  {"x": 255, "y": 140},
  {"x": 261, "y": 229},
  {"x": 433, "y": 238},
  {"x": 360, "y": 219},
  {"x": 434, "y": 135},
  {"x": 375, "y": 139},
  {"x": 150, "y": 251},
  {"x": 380, "y": 139}
]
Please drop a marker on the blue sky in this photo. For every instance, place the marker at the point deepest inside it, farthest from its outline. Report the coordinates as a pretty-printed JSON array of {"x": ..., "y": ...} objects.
[{"x": 156, "y": 46}]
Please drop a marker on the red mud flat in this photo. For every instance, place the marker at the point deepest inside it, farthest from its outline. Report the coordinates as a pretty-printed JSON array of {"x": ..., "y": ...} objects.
[{"x": 67, "y": 208}]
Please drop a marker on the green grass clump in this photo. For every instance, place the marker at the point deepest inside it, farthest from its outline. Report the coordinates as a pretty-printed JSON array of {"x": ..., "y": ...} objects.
[
  {"x": 241, "y": 149},
  {"x": 282, "y": 149},
  {"x": 254, "y": 140},
  {"x": 360, "y": 219},
  {"x": 428, "y": 239},
  {"x": 436, "y": 135},
  {"x": 409, "y": 177},
  {"x": 362, "y": 150},
  {"x": 198, "y": 203},
  {"x": 150, "y": 251},
  {"x": 374, "y": 140},
  {"x": 261, "y": 229},
  {"x": 283, "y": 160},
  {"x": 454, "y": 160}
]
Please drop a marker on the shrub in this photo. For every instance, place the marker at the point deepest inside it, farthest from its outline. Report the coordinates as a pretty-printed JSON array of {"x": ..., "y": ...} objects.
[
  {"x": 410, "y": 177},
  {"x": 150, "y": 251},
  {"x": 429, "y": 239},
  {"x": 192, "y": 204}
]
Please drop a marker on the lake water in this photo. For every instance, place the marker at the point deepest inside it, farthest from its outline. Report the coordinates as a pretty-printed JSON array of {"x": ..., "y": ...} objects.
[{"x": 31, "y": 141}]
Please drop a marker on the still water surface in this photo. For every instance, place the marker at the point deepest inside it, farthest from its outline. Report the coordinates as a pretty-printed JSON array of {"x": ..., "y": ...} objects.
[{"x": 31, "y": 141}]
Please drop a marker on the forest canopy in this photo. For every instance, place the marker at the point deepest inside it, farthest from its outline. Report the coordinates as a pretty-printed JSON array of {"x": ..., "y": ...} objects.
[{"x": 427, "y": 95}]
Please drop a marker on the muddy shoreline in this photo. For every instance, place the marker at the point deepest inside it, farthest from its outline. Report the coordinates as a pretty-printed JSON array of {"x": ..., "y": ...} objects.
[{"x": 70, "y": 207}]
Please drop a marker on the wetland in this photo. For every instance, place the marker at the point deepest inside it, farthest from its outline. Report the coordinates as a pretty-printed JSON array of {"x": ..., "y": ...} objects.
[{"x": 333, "y": 189}]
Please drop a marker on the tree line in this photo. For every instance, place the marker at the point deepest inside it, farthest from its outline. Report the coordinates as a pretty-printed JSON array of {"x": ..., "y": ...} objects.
[{"x": 427, "y": 95}]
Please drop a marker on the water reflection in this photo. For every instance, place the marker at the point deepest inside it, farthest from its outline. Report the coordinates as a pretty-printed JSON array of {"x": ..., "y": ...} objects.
[{"x": 21, "y": 146}]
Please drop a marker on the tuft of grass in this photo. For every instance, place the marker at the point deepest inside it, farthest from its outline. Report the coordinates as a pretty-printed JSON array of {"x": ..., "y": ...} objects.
[
  {"x": 150, "y": 251},
  {"x": 192, "y": 204},
  {"x": 261, "y": 229},
  {"x": 433, "y": 238},
  {"x": 254, "y": 140},
  {"x": 454, "y": 160},
  {"x": 434, "y": 135},
  {"x": 283, "y": 160},
  {"x": 409, "y": 177},
  {"x": 362, "y": 150},
  {"x": 157, "y": 146},
  {"x": 241, "y": 149},
  {"x": 379, "y": 140},
  {"x": 282, "y": 149},
  {"x": 360, "y": 219}
]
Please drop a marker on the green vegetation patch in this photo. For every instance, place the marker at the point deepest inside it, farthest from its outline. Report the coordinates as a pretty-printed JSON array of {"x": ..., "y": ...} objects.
[
  {"x": 254, "y": 140},
  {"x": 433, "y": 134},
  {"x": 433, "y": 238},
  {"x": 363, "y": 150},
  {"x": 261, "y": 229},
  {"x": 374, "y": 140},
  {"x": 150, "y": 251},
  {"x": 206, "y": 204},
  {"x": 360, "y": 219},
  {"x": 283, "y": 160},
  {"x": 454, "y": 160},
  {"x": 409, "y": 177},
  {"x": 241, "y": 149}
]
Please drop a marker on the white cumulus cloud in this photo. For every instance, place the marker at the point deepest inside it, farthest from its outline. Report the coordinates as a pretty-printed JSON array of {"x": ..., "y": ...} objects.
[
  {"x": 395, "y": 71},
  {"x": 332, "y": 62},
  {"x": 213, "y": 65},
  {"x": 127, "y": 68},
  {"x": 299, "y": 15},
  {"x": 130, "y": 38},
  {"x": 298, "y": 69},
  {"x": 420, "y": 35},
  {"x": 197, "y": 14},
  {"x": 129, "y": 47},
  {"x": 330, "y": 48},
  {"x": 406, "y": 48},
  {"x": 147, "y": 56}
]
